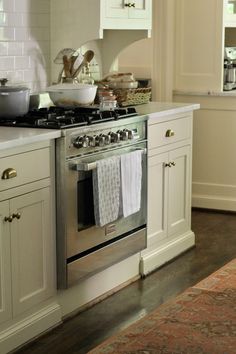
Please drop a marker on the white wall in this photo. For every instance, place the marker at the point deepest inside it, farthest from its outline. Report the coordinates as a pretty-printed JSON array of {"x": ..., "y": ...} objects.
[
  {"x": 137, "y": 58},
  {"x": 25, "y": 42}
]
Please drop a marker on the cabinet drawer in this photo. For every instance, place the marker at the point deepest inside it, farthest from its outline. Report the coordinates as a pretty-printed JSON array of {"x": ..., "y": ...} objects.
[
  {"x": 25, "y": 168},
  {"x": 161, "y": 134}
]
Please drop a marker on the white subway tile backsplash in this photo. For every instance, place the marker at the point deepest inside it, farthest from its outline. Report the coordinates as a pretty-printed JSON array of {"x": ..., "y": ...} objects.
[
  {"x": 3, "y": 48},
  {"x": 16, "y": 76},
  {"x": 7, "y": 34},
  {"x": 3, "y": 19},
  {"x": 7, "y": 5},
  {"x": 15, "y": 20},
  {"x": 7, "y": 63},
  {"x": 15, "y": 48},
  {"x": 22, "y": 62},
  {"x": 22, "y": 34},
  {"x": 25, "y": 42}
]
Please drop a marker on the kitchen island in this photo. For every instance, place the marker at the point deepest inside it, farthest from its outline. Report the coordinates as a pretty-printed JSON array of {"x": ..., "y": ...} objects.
[{"x": 39, "y": 306}]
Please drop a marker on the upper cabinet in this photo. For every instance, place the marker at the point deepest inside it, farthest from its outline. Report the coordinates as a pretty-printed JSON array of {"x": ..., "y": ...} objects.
[
  {"x": 136, "y": 14},
  {"x": 230, "y": 13},
  {"x": 199, "y": 44},
  {"x": 117, "y": 22}
]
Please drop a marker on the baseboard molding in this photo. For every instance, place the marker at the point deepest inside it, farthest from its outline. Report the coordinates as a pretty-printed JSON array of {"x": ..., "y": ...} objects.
[
  {"x": 166, "y": 252},
  {"x": 29, "y": 328},
  {"x": 214, "y": 196}
]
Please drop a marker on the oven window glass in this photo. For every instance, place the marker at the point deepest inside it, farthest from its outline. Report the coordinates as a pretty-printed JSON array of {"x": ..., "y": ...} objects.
[{"x": 85, "y": 208}]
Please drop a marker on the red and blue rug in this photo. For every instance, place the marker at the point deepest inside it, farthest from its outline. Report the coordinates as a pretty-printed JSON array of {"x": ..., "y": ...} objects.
[{"x": 202, "y": 320}]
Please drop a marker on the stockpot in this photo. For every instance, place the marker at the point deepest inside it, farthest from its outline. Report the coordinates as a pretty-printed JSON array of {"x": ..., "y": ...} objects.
[{"x": 14, "y": 100}]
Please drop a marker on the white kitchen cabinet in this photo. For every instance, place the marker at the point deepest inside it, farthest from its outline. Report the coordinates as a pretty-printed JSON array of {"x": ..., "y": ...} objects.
[
  {"x": 27, "y": 239},
  {"x": 33, "y": 278},
  {"x": 169, "y": 190},
  {"x": 5, "y": 265},
  {"x": 230, "y": 13},
  {"x": 82, "y": 24},
  {"x": 199, "y": 47},
  {"x": 26, "y": 250},
  {"x": 116, "y": 14}
]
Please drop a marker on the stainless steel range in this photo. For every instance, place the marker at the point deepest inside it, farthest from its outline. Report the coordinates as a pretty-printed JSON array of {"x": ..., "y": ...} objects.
[{"x": 89, "y": 136}]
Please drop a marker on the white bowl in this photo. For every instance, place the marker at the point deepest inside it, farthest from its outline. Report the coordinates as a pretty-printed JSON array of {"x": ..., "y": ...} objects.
[{"x": 70, "y": 95}]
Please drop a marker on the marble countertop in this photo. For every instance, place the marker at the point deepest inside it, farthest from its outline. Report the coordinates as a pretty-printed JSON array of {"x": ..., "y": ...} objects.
[
  {"x": 12, "y": 137},
  {"x": 157, "y": 110}
]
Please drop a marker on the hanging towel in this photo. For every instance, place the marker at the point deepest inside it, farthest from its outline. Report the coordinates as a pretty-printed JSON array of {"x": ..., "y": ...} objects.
[
  {"x": 131, "y": 181},
  {"x": 106, "y": 190}
]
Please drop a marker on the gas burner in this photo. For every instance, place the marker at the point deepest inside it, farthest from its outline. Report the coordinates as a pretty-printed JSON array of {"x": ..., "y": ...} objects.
[{"x": 67, "y": 117}]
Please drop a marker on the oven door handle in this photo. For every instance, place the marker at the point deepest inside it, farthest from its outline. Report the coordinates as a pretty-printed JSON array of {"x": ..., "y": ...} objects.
[{"x": 89, "y": 166}]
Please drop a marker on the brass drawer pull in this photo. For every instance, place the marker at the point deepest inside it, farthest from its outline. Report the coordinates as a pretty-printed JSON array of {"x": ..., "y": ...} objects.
[
  {"x": 170, "y": 133},
  {"x": 9, "y": 173}
]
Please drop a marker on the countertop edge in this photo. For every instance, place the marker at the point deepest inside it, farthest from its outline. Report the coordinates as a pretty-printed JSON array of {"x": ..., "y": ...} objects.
[{"x": 14, "y": 137}]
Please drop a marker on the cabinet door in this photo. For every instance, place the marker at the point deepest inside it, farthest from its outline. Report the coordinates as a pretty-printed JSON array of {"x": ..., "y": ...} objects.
[
  {"x": 141, "y": 9},
  {"x": 32, "y": 250},
  {"x": 116, "y": 9},
  {"x": 179, "y": 191},
  {"x": 5, "y": 264},
  {"x": 157, "y": 198},
  {"x": 230, "y": 13}
]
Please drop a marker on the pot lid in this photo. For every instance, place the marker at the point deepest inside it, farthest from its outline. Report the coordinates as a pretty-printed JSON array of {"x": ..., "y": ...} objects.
[
  {"x": 4, "y": 88},
  {"x": 67, "y": 86}
]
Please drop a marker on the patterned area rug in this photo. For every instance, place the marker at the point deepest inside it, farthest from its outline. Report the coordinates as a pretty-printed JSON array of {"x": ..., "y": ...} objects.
[{"x": 202, "y": 320}]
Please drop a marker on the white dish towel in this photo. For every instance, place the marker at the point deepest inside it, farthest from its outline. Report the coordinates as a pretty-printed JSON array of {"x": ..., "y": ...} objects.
[
  {"x": 106, "y": 190},
  {"x": 131, "y": 181}
]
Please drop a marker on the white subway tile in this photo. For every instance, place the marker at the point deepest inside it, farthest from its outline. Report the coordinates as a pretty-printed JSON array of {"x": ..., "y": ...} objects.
[
  {"x": 22, "y": 62},
  {"x": 15, "y": 20},
  {"x": 7, "y": 34},
  {"x": 25, "y": 41},
  {"x": 3, "y": 48},
  {"x": 15, "y": 48},
  {"x": 22, "y": 34},
  {"x": 16, "y": 76},
  {"x": 7, "y": 5},
  {"x": 3, "y": 19},
  {"x": 22, "y": 6},
  {"x": 6, "y": 63}
]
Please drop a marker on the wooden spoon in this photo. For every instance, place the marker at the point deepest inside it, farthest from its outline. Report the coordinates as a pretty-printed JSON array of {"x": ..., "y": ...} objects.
[
  {"x": 88, "y": 56},
  {"x": 66, "y": 62}
]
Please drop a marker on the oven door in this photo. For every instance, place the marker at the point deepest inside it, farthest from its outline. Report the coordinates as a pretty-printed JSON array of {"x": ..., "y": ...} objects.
[{"x": 81, "y": 232}]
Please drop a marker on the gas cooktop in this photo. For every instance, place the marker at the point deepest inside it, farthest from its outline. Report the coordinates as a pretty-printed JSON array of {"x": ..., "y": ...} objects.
[{"x": 64, "y": 118}]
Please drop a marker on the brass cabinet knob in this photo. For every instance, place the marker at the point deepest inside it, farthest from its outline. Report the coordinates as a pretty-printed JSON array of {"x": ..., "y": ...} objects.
[
  {"x": 170, "y": 164},
  {"x": 9, "y": 173},
  {"x": 130, "y": 4},
  {"x": 170, "y": 133},
  {"x": 16, "y": 215},
  {"x": 8, "y": 218}
]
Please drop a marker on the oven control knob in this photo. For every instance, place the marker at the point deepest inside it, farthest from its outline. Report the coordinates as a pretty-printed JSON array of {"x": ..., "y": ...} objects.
[
  {"x": 92, "y": 141},
  {"x": 100, "y": 140},
  {"x": 115, "y": 137},
  {"x": 81, "y": 141},
  {"x": 107, "y": 138},
  {"x": 130, "y": 134},
  {"x": 123, "y": 134}
]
